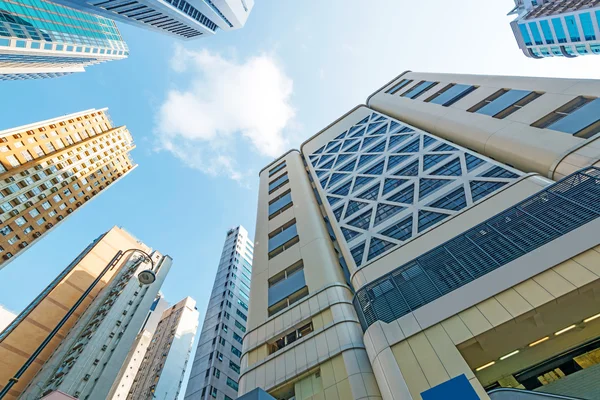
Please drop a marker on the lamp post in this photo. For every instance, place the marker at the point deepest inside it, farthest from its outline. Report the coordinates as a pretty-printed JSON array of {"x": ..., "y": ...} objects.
[{"x": 146, "y": 277}]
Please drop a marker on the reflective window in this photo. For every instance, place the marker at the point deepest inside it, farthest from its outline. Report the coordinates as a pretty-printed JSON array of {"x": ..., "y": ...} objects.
[
  {"x": 394, "y": 89},
  {"x": 559, "y": 30},
  {"x": 572, "y": 28},
  {"x": 282, "y": 238},
  {"x": 580, "y": 117},
  {"x": 277, "y": 183},
  {"x": 547, "y": 32},
  {"x": 536, "y": 33},
  {"x": 504, "y": 102},
  {"x": 525, "y": 34},
  {"x": 587, "y": 26},
  {"x": 419, "y": 89},
  {"x": 451, "y": 94}
]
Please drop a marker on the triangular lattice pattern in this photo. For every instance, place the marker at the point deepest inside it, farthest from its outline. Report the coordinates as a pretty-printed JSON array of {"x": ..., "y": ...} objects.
[{"x": 387, "y": 182}]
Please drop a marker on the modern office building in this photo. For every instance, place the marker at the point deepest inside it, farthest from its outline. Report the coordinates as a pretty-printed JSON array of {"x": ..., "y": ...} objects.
[
  {"x": 138, "y": 351},
  {"x": 50, "y": 169},
  {"x": 20, "y": 339},
  {"x": 557, "y": 28},
  {"x": 41, "y": 39},
  {"x": 6, "y": 317},
  {"x": 183, "y": 19},
  {"x": 438, "y": 242},
  {"x": 163, "y": 367},
  {"x": 216, "y": 368},
  {"x": 87, "y": 362}
]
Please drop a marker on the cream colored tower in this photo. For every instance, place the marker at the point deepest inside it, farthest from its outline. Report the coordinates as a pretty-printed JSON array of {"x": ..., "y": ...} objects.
[
  {"x": 51, "y": 168},
  {"x": 472, "y": 268}
]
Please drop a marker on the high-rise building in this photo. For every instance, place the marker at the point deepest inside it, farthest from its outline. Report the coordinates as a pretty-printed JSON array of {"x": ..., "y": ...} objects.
[
  {"x": 557, "y": 28},
  {"x": 216, "y": 368},
  {"x": 6, "y": 317},
  {"x": 41, "y": 39},
  {"x": 163, "y": 367},
  {"x": 87, "y": 362},
  {"x": 51, "y": 168},
  {"x": 438, "y": 242},
  {"x": 22, "y": 337},
  {"x": 138, "y": 351},
  {"x": 180, "y": 18}
]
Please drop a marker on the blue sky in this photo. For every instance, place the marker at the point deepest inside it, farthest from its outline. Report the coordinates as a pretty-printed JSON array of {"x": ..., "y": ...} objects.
[{"x": 206, "y": 115}]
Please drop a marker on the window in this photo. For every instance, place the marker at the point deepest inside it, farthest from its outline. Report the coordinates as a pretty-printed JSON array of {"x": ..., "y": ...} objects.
[
  {"x": 13, "y": 161},
  {"x": 29, "y": 229},
  {"x": 580, "y": 116},
  {"x": 34, "y": 212},
  {"x": 280, "y": 204},
  {"x": 241, "y": 303},
  {"x": 276, "y": 169},
  {"x": 5, "y": 230},
  {"x": 234, "y": 366},
  {"x": 237, "y": 338},
  {"x": 547, "y": 32},
  {"x": 46, "y": 205},
  {"x": 537, "y": 38},
  {"x": 241, "y": 315},
  {"x": 396, "y": 88},
  {"x": 20, "y": 221},
  {"x": 419, "y": 89},
  {"x": 41, "y": 221},
  {"x": 213, "y": 392},
  {"x": 587, "y": 26},
  {"x": 504, "y": 102},
  {"x": 216, "y": 373},
  {"x": 277, "y": 183},
  {"x": 235, "y": 351},
  {"x": 290, "y": 338},
  {"x": 283, "y": 238},
  {"x": 13, "y": 240},
  {"x": 240, "y": 326},
  {"x": 232, "y": 384},
  {"x": 450, "y": 94},
  {"x": 288, "y": 301}
]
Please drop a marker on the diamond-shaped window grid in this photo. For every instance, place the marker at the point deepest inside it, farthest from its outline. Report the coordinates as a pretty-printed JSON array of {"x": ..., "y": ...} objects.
[
  {"x": 385, "y": 212},
  {"x": 362, "y": 221},
  {"x": 391, "y": 184},
  {"x": 320, "y": 150},
  {"x": 377, "y": 247},
  {"x": 364, "y": 120},
  {"x": 324, "y": 182},
  {"x": 354, "y": 206},
  {"x": 452, "y": 168},
  {"x": 350, "y": 234},
  {"x": 395, "y": 140},
  {"x": 361, "y": 181},
  {"x": 410, "y": 156},
  {"x": 401, "y": 230}
]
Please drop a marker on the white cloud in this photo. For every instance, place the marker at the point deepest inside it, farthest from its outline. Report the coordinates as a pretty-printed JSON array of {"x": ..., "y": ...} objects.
[{"x": 226, "y": 107}]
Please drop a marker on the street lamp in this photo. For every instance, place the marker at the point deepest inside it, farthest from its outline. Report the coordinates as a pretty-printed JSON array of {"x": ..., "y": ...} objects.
[{"x": 146, "y": 277}]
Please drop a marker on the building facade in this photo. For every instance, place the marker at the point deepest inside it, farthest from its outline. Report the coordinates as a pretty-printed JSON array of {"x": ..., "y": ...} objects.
[
  {"x": 216, "y": 368},
  {"x": 183, "y": 19},
  {"x": 22, "y": 337},
  {"x": 50, "y": 169},
  {"x": 557, "y": 28},
  {"x": 41, "y": 39},
  {"x": 432, "y": 243},
  {"x": 87, "y": 362},
  {"x": 138, "y": 351},
  {"x": 163, "y": 367}
]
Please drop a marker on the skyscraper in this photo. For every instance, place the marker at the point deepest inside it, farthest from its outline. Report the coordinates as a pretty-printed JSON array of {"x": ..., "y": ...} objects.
[
  {"x": 557, "y": 28},
  {"x": 51, "y": 168},
  {"x": 41, "y": 39},
  {"x": 216, "y": 367},
  {"x": 434, "y": 243},
  {"x": 87, "y": 361},
  {"x": 20, "y": 338},
  {"x": 180, "y": 18},
  {"x": 137, "y": 352},
  {"x": 163, "y": 367}
]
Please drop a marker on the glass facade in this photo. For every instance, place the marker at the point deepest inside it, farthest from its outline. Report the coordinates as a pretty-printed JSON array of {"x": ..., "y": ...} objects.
[
  {"x": 54, "y": 36},
  {"x": 515, "y": 232}
]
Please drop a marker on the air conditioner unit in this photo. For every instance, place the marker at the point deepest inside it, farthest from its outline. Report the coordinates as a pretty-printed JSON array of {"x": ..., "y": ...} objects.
[
  {"x": 14, "y": 213},
  {"x": 38, "y": 167},
  {"x": 49, "y": 225},
  {"x": 64, "y": 183},
  {"x": 70, "y": 210},
  {"x": 42, "y": 196},
  {"x": 60, "y": 217},
  {"x": 24, "y": 173},
  {"x": 23, "y": 245},
  {"x": 54, "y": 190},
  {"x": 37, "y": 234},
  {"x": 78, "y": 204},
  {"x": 9, "y": 179},
  {"x": 87, "y": 197},
  {"x": 28, "y": 204},
  {"x": 7, "y": 256}
]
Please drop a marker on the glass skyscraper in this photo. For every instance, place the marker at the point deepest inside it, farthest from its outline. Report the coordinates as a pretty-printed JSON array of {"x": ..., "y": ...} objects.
[{"x": 40, "y": 39}]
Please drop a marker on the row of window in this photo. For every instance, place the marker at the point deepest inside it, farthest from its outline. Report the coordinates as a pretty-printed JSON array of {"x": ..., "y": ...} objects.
[
  {"x": 553, "y": 31},
  {"x": 580, "y": 116},
  {"x": 290, "y": 338},
  {"x": 283, "y": 238}
]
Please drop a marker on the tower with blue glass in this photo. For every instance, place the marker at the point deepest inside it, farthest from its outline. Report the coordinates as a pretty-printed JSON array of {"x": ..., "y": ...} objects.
[
  {"x": 40, "y": 39},
  {"x": 557, "y": 28}
]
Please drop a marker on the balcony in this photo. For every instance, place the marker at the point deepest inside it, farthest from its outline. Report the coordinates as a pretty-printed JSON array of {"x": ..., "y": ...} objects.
[{"x": 534, "y": 222}]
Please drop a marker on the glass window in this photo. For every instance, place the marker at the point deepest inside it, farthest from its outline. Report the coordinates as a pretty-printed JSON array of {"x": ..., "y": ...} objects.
[
  {"x": 587, "y": 26},
  {"x": 233, "y": 384},
  {"x": 537, "y": 38},
  {"x": 285, "y": 235},
  {"x": 451, "y": 94},
  {"x": 547, "y": 32},
  {"x": 394, "y": 89},
  {"x": 46, "y": 205},
  {"x": 41, "y": 221},
  {"x": 280, "y": 204},
  {"x": 34, "y": 212},
  {"x": 20, "y": 221},
  {"x": 580, "y": 116},
  {"x": 235, "y": 351},
  {"x": 525, "y": 34},
  {"x": 419, "y": 89},
  {"x": 277, "y": 183},
  {"x": 559, "y": 30},
  {"x": 504, "y": 102},
  {"x": 278, "y": 168},
  {"x": 572, "y": 28}
]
